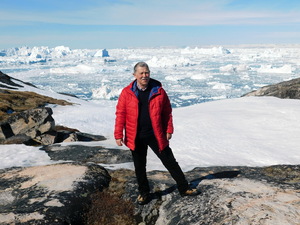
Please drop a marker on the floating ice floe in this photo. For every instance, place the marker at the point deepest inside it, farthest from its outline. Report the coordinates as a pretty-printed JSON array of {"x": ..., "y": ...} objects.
[
  {"x": 168, "y": 62},
  {"x": 81, "y": 68},
  {"x": 102, "y": 53},
  {"x": 20, "y": 55},
  {"x": 174, "y": 78},
  {"x": 219, "y": 86},
  {"x": 272, "y": 69},
  {"x": 206, "y": 51},
  {"x": 60, "y": 51},
  {"x": 186, "y": 97},
  {"x": 199, "y": 77},
  {"x": 105, "y": 92},
  {"x": 233, "y": 68}
]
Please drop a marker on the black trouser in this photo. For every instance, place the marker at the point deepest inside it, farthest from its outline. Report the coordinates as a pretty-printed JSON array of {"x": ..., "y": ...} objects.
[{"x": 166, "y": 156}]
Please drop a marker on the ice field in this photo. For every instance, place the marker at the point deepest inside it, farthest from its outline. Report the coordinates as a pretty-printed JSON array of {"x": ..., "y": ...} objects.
[{"x": 190, "y": 75}]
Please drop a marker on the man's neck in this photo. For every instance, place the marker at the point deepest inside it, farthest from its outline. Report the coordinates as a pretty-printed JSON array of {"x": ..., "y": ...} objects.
[{"x": 141, "y": 88}]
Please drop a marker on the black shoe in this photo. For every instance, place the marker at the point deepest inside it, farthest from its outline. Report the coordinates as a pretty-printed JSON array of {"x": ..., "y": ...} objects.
[
  {"x": 143, "y": 199},
  {"x": 190, "y": 192}
]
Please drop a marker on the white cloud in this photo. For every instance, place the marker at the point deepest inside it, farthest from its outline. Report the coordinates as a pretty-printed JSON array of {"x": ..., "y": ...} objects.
[
  {"x": 155, "y": 12},
  {"x": 281, "y": 34}
]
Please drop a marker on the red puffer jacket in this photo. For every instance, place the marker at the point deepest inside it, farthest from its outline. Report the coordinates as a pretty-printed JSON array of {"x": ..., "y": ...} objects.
[{"x": 127, "y": 114}]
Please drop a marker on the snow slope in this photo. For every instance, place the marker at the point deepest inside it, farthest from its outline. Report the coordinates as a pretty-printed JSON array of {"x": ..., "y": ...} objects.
[{"x": 252, "y": 131}]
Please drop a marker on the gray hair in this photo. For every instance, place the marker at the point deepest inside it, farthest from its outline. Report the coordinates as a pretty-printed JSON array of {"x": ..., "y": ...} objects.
[{"x": 140, "y": 64}]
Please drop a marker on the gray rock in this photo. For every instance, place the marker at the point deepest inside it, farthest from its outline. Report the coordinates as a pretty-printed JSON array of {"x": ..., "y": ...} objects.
[
  {"x": 81, "y": 153},
  {"x": 287, "y": 89},
  {"x": 26, "y": 125},
  {"x": 52, "y": 194},
  {"x": 71, "y": 136},
  {"x": 45, "y": 139},
  {"x": 37, "y": 127}
]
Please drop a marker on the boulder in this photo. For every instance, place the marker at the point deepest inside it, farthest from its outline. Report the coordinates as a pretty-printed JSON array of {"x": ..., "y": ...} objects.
[
  {"x": 52, "y": 194},
  {"x": 287, "y": 89},
  {"x": 26, "y": 125},
  {"x": 44, "y": 139}
]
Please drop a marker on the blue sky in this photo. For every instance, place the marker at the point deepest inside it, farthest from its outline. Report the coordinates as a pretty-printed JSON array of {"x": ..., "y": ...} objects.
[{"x": 155, "y": 23}]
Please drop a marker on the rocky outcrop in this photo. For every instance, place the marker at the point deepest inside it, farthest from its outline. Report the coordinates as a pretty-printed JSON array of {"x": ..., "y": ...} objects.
[
  {"x": 37, "y": 127},
  {"x": 61, "y": 194},
  {"x": 24, "y": 117},
  {"x": 54, "y": 194},
  {"x": 287, "y": 89},
  {"x": 26, "y": 125},
  {"x": 230, "y": 195},
  {"x": 11, "y": 83}
]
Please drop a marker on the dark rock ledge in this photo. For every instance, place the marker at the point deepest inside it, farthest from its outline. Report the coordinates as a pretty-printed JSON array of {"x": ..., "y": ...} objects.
[
  {"x": 287, "y": 89},
  {"x": 8, "y": 82},
  {"x": 81, "y": 153},
  {"x": 62, "y": 194}
]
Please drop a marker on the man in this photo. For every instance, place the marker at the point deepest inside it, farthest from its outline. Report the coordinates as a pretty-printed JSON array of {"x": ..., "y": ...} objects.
[{"x": 144, "y": 112}]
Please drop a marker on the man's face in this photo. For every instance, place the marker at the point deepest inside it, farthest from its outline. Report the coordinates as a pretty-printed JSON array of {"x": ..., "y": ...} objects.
[{"x": 142, "y": 75}]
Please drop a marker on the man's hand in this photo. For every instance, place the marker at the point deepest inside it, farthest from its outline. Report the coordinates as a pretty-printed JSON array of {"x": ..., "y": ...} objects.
[
  {"x": 169, "y": 136},
  {"x": 119, "y": 142}
]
